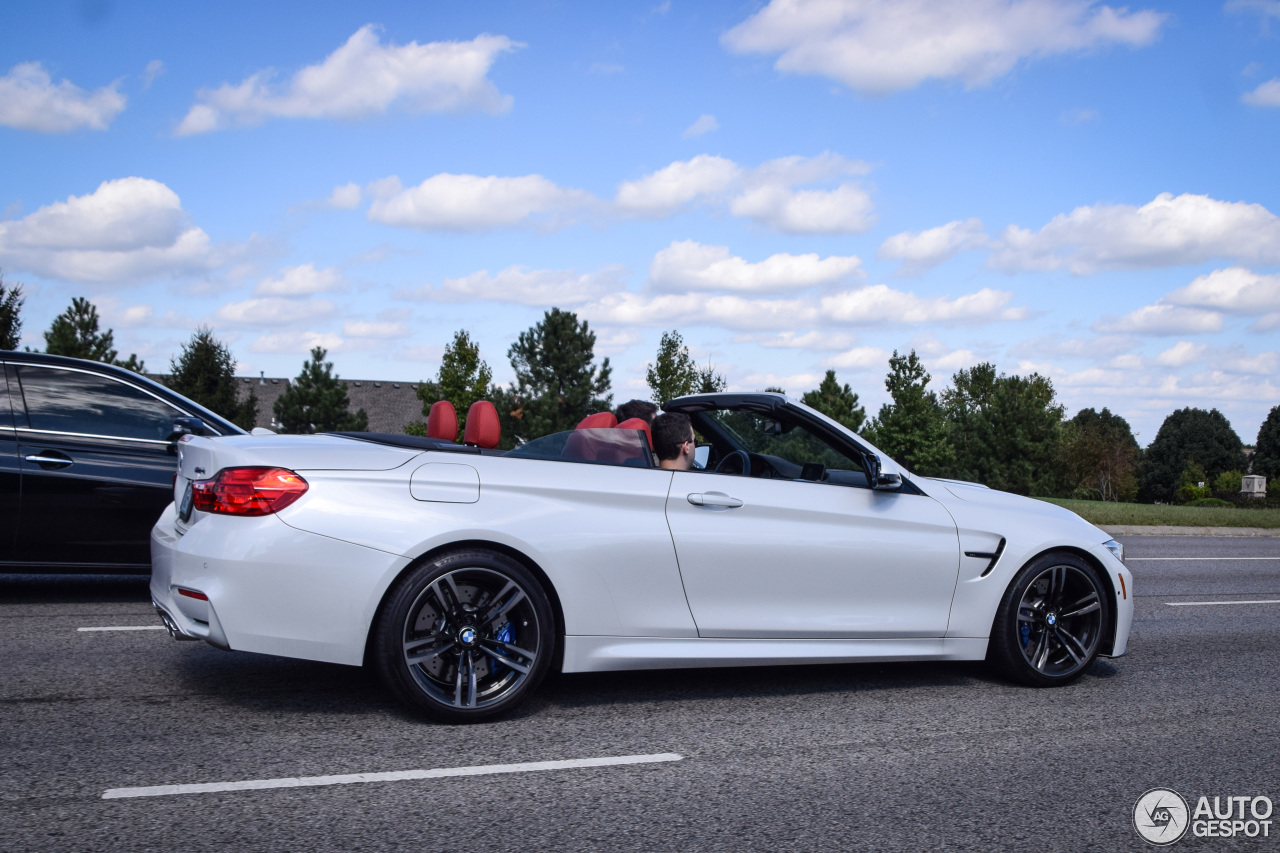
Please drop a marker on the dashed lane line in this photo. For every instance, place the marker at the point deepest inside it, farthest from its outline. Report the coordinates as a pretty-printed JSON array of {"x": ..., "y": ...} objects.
[
  {"x": 1148, "y": 559},
  {"x": 394, "y": 776},
  {"x": 1213, "y": 603},
  {"x": 125, "y": 628}
]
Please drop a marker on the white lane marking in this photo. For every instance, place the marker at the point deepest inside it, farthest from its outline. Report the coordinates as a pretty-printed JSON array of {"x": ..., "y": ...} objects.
[
  {"x": 394, "y": 776},
  {"x": 1211, "y": 603},
  {"x": 125, "y": 628},
  {"x": 1132, "y": 559}
]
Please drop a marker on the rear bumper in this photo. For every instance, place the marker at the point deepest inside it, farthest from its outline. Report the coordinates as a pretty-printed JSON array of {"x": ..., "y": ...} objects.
[{"x": 258, "y": 585}]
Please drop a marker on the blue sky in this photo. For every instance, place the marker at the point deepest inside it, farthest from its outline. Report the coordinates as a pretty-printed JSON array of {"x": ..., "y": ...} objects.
[{"x": 1059, "y": 186}]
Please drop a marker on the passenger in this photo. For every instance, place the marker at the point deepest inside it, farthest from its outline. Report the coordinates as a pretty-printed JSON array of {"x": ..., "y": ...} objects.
[
  {"x": 642, "y": 409},
  {"x": 673, "y": 441}
]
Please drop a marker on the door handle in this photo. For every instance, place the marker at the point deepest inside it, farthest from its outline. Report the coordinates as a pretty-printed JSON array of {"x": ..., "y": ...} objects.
[
  {"x": 714, "y": 499},
  {"x": 60, "y": 461}
]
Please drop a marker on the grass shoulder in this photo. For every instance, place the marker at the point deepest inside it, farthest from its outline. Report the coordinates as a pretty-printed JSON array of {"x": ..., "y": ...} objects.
[{"x": 1108, "y": 513}]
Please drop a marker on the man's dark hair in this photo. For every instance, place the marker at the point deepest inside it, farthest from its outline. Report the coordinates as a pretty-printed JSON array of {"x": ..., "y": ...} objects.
[
  {"x": 637, "y": 409},
  {"x": 670, "y": 430}
]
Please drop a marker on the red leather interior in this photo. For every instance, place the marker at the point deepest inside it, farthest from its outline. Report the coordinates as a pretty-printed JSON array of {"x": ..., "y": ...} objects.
[
  {"x": 442, "y": 421},
  {"x": 600, "y": 420},
  {"x": 483, "y": 428},
  {"x": 641, "y": 424}
]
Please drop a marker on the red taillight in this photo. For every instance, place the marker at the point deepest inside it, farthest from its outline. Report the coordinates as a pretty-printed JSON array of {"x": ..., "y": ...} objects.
[{"x": 248, "y": 491}]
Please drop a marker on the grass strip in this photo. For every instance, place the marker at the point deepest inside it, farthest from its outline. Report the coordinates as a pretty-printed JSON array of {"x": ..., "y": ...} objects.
[{"x": 1106, "y": 512}]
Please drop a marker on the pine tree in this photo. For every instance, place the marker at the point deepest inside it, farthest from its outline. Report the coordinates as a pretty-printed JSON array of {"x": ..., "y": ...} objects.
[
  {"x": 205, "y": 373},
  {"x": 1266, "y": 457},
  {"x": 674, "y": 373},
  {"x": 911, "y": 429},
  {"x": 75, "y": 333},
  {"x": 463, "y": 379},
  {"x": 10, "y": 314},
  {"x": 317, "y": 401},
  {"x": 557, "y": 382},
  {"x": 836, "y": 401},
  {"x": 710, "y": 382}
]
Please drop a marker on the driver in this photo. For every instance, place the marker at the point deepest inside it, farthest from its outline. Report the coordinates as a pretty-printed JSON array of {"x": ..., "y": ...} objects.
[{"x": 673, "y": 441}]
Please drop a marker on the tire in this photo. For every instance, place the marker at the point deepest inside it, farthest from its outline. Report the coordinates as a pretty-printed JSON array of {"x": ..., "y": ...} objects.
[
  {"x": 1051, "y": 622},
  {"x": 466, "y": 636}
]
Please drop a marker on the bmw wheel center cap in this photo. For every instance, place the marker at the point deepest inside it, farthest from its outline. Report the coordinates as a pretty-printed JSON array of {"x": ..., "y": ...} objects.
[
  {"x": 1052, "y": 619},
  {"x": 467, "y": 636}
]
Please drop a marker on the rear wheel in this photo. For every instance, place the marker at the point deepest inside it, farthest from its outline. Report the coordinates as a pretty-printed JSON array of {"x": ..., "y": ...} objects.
[
  {"x": 466, "y": 636},
  {"x": 1051, "y": 622}
]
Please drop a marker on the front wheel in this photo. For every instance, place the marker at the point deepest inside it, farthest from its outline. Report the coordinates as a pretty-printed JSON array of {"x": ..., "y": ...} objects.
[
  {"x": 1051, "y": 622},
  {"x": 466, "y": 636}
]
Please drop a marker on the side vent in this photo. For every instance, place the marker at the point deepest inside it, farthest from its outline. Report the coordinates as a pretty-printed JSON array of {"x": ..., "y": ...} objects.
[{"x": 993, "y": 556}]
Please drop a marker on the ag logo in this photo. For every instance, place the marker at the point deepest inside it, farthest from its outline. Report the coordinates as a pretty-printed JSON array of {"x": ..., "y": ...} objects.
[{"x": 1161, "y": 816}]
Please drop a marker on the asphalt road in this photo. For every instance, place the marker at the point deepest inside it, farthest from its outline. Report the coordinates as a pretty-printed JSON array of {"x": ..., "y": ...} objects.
[{"x": 862, "y": 757}]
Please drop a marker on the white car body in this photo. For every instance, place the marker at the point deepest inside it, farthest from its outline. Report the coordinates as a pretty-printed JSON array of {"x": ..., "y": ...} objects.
[{"x": 639, "y": 576}]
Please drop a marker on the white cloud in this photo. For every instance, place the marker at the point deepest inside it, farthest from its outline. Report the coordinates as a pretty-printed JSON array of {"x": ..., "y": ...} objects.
[
  {"x": 686, "y": 265},
  {"x": 296, "y": 342},
  {"x": 1181, "y": 354},
  {"x": 877, "y": 305},
  {"x": 362, "y": 78},
  {"x": 955, "y": 360},
  {"x": 345, "y": 197},
  {"x": 1233, "y": 290},
  {"x": 29, "y": 100},
  {"x": 474, "y": 203},
  {"x": 1056, "y": 345},
  {"x": 127, "y": 229},
  {"x": 521, "y": 286},
  {"x": 845, "y": 210},
  {"x": 1266, "y": 95},
  {"x": 813, "y": 340},
  {"x": 1161, "y": 319},
  {"x": 883, "y": 46},
  {"x": 144, "y": 316},
  {"x": 667, "y": 190},
  {"x": 370, "y": 329},
  {"x": 924, "y": 250},
  {"x": 1169, "y": 230},
  {"x": 795, "y": 384},
  {"x": 154, "y": 69},
  {"x": 859, "y": 358},
  {"x": 705, "y": 124},
  {"x": 614, "y": 341},
  {"x": 301, "y": 280},
  {"x": 421, "y": 352},
  {"x": 274, "y": 311}
]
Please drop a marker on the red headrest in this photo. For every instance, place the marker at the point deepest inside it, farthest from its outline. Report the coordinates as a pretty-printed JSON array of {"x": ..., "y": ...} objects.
[
  {"x": 483, "y": 428},
  {"x": 638, "y": 423},
  {"x": 600, "y": 420},
  {"x": 442, "y": 421}
]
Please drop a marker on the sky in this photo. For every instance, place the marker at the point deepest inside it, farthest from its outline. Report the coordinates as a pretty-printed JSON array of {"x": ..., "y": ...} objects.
[{"x": 1086, "y": 191}]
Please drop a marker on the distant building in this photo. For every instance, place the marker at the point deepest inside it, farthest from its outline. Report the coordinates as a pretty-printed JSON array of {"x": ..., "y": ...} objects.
[
  {"x": 1253, "y": 486},
  {"x": 391, "y": 406}
]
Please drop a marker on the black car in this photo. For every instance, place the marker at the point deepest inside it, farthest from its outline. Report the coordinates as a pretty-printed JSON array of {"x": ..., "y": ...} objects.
[{"x": 86, "y": 462}]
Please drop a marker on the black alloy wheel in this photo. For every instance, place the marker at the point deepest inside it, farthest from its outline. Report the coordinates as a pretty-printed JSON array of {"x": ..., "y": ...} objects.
[
  {"x": 1051, "y": 622},
  {"x": 466, "y": 636}
]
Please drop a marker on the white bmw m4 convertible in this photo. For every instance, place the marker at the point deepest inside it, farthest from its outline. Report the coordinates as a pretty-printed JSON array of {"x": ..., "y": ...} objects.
[{"x": 463, "y": 573}]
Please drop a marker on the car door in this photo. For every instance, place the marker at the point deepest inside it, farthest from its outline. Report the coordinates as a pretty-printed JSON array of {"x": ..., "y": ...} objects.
[
  {"x": 96, "y": 468},
  {"x": 10, "y": 473},
  {"x": 782, "y": 556}
]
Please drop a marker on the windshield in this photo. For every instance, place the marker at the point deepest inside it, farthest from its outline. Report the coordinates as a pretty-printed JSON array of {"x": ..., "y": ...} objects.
[{"x": 626, "y": 447}]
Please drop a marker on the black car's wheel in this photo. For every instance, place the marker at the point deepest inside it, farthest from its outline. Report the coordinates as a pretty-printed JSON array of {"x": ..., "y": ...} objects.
[
  {"x": 1051, "y": 622},
  {"x": 465, "y": 636}
]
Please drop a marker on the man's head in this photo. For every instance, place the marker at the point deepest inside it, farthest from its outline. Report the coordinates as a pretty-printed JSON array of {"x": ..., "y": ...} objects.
[
  {"x": 673, "y": 440},
  {"x": 642, "y": 409}
]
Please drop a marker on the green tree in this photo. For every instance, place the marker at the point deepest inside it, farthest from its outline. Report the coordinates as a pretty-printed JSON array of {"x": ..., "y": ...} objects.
[
  {"x": 75, "y": 333},
  {"x": 557, "y": 382},
  {"x": 674, "y": 373},
  {"x": 1188, "y": 436},
  {"x": 710, "y": 382},
  {"x": 836, "y": 401},
  {"x": 10, "y": 314},
  {"x": 1101, "y": 456},
  {"x": 317, "y": 401},
  {"x": 205, "y": 372},
  {"x": 1228, "y": 484},
  {"x": 463, "y": 379},
  {"x": 1005, "y": 431},
  {"x": 911, "y": 429},
  {"x": 1266, "y": 456}
]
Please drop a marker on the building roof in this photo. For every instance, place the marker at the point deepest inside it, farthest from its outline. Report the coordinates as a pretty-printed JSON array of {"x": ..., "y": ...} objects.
[{"x": 391, "y": 406}]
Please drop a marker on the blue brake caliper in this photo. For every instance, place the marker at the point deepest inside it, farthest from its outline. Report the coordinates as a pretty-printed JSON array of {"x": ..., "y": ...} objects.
[
  {"x": 505, "y": 635},
  {"x": 1026, "y": 634}
]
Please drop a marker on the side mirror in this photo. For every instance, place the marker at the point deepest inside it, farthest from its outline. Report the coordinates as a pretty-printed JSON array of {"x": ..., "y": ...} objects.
[
  {"x": 187, "y": 426},
  {"x": 878, "y": 478}
]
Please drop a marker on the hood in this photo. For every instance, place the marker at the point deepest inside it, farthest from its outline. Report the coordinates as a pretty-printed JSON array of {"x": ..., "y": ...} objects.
[{"x": 973, "y": 501}]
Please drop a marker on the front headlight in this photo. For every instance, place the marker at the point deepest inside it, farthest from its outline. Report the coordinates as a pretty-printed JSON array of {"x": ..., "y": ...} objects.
[{"x": 1115, "y": 548}]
